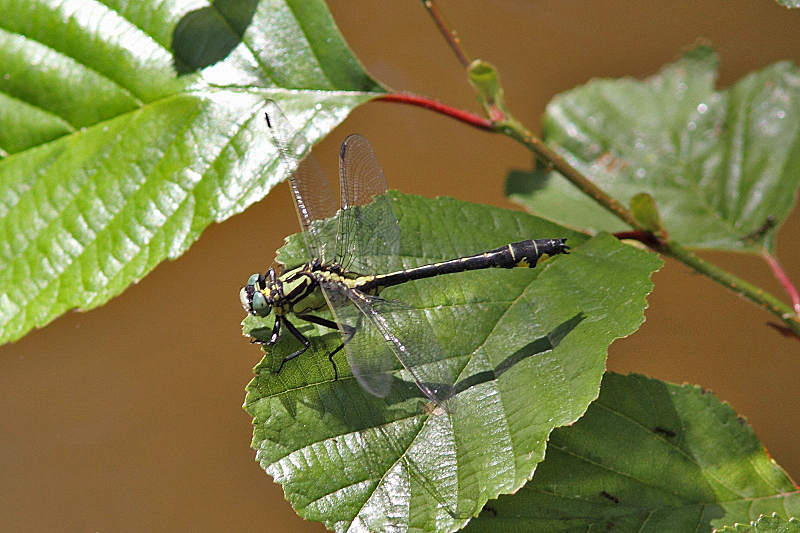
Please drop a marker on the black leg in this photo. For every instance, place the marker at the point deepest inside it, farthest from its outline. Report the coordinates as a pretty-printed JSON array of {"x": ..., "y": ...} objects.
[
  {"x": 319, "y": 321},
  {"x": 276, "y": 330},
  {"x": 349, "y": 331},
  {"x": 297, "y": 335}
]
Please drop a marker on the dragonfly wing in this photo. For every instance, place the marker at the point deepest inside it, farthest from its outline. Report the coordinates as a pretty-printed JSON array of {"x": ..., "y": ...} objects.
[
  {"x": 368, "y": 226},
  {"x": 361, "y": 176},
  {"x": 313, "y": 196},
  {"x": 375, "y": 358},
  {"x": 388, "y": 337},
  {"x": 406, "y": 333}
]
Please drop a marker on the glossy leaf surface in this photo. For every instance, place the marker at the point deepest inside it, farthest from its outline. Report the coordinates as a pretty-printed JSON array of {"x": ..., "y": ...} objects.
[
  {"x": 717, "y": 163},
  {"x": 529, "y": 345},
  {"x": 112, "y": 162}
]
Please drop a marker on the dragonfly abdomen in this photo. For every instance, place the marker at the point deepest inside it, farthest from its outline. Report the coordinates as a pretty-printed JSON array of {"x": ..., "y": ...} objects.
[{"x": 518, "y": 254}]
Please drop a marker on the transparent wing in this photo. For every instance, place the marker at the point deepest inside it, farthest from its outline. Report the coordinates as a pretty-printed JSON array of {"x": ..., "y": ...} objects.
[
  {"x": 313, "y": 196},
  {"x": 368, "y": 226},
  {"x": 391, "y": 336},
  {"x": 374, "y": 358},
  {"x": 388, "y": 337}
]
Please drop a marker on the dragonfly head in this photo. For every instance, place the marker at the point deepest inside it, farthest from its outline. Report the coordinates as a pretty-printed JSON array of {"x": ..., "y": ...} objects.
[
  {"x": 560, "y": 246},
  {"x": 252, "y": 295}
]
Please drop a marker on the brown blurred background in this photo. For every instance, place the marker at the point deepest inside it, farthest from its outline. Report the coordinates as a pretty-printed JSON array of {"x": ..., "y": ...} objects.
[{"x": 128, "y": 418}]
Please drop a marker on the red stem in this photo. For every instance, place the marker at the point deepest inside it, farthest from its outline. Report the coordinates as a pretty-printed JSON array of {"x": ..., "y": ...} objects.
[
  {"x": 780, "y": 274},
  {"x": 420, "y": 101},
  {"x": 644, "y": 237}
]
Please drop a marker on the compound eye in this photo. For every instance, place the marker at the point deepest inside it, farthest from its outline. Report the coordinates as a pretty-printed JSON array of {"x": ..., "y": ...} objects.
[
  {"x": 260, "y": 305},
  {"x": 254, "y": 281}
]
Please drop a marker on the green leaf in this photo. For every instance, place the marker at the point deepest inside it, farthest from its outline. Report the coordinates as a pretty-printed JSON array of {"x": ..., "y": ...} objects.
[
  {"x": 111, "y": 162},
  {"x": 765, "y": 524},
  {"x": 788, "y": 3},
  {"x": 717, "y": 163},
  {"x": 648, "y": 456},
  {"x": 530, "y": 345}
]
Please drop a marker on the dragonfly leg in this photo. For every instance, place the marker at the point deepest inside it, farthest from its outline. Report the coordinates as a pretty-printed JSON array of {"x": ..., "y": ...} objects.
[
  {"x": 349, "y": 331},
  {"x": 273, "y": 338},
  {"x": 276, "y": 330},
  {"x": 297, "y": 335}
]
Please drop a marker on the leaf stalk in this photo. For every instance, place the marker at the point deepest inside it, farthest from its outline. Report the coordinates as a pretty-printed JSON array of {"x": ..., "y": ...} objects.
[
  {"x": 428, "y": 103},
  {"x": 741, "y": 287},
  {"x": 485, "y": 80}
]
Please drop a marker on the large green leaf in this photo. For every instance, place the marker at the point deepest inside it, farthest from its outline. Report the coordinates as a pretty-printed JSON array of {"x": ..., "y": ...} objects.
[
  {"x": 717, "y": 163},
  {"x": 530, "y": 346},
  {"x": 648, "y": 456},
  {"x": 112, "y": 162}
]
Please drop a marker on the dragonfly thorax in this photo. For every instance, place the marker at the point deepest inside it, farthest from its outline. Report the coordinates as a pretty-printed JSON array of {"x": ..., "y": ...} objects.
[{"x": 295, "y": 291}]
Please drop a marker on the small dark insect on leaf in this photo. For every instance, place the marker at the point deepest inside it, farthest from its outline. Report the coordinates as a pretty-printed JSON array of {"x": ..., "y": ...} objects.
[
  {"x": 611, "y": 497},
  {"x": 666, "y": 432}
]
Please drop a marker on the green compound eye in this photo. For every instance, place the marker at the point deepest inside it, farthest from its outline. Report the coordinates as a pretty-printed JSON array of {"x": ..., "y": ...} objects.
[
  {"x": 254, "y": 281},
  {"x": 260, "y": 305}
]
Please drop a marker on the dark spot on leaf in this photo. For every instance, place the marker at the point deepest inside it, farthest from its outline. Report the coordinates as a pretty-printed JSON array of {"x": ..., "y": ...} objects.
[
  {"x": 666, "y": 432},
  {"x": 207, "y": 35},
  {"x": 761, "y": 231},
  {"x": 609, "y": 496}
]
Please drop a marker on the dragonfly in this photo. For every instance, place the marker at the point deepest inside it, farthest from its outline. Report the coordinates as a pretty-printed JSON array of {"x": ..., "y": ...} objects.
[
  {"x": 367, "y": 227},
  {"x": 379, "y": 336}
]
